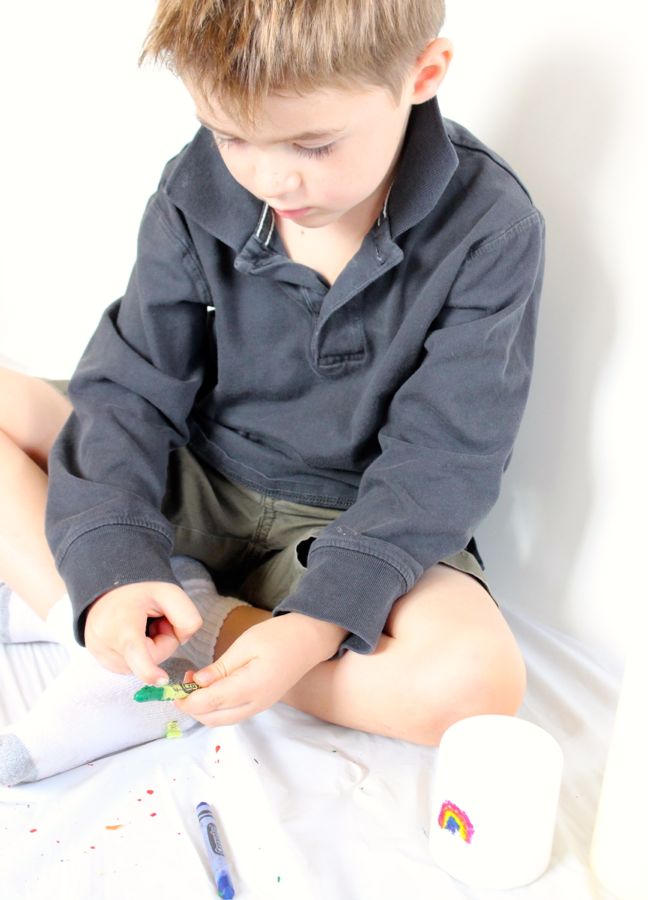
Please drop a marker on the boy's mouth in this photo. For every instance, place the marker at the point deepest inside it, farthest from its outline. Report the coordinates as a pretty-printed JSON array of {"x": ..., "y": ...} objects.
[{"x": 292, "y": 213}]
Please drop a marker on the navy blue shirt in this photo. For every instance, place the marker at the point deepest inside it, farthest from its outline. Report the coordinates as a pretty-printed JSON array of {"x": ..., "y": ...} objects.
[{"x": 394, "y": 394}]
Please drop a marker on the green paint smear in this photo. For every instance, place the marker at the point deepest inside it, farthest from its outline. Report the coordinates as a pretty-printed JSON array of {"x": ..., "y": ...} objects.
[{"x": 166, "y": 692}]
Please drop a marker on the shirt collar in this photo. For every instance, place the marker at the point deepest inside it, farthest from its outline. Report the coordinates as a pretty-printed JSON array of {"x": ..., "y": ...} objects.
[
  {"x": 200, "y": 186},
  {"x": 428, "y": 162}
]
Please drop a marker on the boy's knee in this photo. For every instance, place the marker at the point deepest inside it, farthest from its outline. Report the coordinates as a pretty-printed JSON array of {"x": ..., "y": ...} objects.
[{"x": 476, "y": 677}]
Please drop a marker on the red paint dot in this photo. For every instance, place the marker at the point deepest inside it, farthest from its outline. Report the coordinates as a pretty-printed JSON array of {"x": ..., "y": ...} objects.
[
  {"x": 32, "y": 830},
  {"x": 153, "y": 814},
  {"x": 92, "y": 847},
  {"x": 150, "y": 792},
  {"x": 218, "y": 746}
]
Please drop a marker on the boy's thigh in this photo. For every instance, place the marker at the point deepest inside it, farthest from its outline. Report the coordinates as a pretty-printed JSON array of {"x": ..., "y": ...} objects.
[
  {"x": 225, "y": 525},
  {"x": 295, "y": 528},
  {"x": 277, "y": 577},
  {"x": 446, "y": 653},
  {"x": 254, "y": 545},
  {"x": 32, "y": 412},
  {"x": 446, "y": 604},
  {"x": 457, "y": 645}
]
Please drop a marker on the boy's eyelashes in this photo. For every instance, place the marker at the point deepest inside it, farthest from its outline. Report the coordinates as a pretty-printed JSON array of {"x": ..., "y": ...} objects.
[{"x": 310, "y": 152}]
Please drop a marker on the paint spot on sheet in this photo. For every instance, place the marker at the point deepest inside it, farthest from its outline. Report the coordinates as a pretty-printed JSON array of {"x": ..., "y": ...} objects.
[
  {"x": 173, "y": 730},
  {"x": 113, "y": 827}
]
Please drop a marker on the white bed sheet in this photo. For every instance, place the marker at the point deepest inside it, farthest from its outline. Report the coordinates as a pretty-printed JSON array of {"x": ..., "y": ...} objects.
[{"x": 308, "y": 811}]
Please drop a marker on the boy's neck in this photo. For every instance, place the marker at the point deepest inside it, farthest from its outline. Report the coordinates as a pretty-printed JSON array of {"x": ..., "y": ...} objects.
[{"x": 330, "y": 248}]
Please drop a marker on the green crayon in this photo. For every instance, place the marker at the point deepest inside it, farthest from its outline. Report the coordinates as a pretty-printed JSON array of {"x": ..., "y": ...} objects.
[{"x": 166, "y": 692}]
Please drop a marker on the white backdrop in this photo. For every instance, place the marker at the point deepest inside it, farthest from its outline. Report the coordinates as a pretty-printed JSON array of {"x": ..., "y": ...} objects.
[{"x": 555, "y": 88}]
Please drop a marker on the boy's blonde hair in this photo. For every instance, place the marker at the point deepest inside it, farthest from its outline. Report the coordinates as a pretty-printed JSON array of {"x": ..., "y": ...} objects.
[{"x": 240, "y": 51}]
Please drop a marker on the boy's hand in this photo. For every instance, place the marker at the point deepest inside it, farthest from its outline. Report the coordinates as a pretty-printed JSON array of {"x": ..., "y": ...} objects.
[
  {"x": 258, "y": 669},
  {"x": 116, "y": 628}
]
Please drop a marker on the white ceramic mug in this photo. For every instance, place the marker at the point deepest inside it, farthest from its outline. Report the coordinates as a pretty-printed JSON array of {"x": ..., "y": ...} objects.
[{"x": 494, "y": 801}]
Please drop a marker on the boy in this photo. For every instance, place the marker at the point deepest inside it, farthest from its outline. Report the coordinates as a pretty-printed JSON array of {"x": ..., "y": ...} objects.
[{"x": 312, "y": 384}]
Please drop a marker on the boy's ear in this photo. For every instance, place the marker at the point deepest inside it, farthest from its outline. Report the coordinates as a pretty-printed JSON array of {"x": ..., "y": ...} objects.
[{"x": 430, "y": 69}]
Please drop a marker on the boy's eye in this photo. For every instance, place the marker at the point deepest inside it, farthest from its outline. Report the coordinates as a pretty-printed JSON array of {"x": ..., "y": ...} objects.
[
  {"x": 310, "y": 152},
  {"x": 313, "y": 152},
  {"x": 226, "y": 142}
]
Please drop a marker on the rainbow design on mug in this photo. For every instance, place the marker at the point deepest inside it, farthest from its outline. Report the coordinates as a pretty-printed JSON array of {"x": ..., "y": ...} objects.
[{"x": 456, "y": 820}]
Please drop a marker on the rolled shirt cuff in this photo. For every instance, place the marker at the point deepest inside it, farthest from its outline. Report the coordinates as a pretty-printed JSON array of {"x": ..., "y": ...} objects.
[
  {"x": 110, "y": 556},
  {"x": 352, "y": 588}
]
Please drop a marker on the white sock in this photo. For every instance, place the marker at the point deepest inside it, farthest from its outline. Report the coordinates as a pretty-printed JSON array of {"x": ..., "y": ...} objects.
[
  {"x": 19, "y": 624},
  {"x": 89, "y": 712},
  {"x": 60, "y": 623}
]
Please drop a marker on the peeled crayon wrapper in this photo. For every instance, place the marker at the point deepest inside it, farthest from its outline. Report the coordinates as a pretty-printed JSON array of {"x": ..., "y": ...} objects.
[{"x": 166, "y": 692}]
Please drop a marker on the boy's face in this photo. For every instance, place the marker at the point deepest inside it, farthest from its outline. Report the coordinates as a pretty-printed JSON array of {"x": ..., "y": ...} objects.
[{"x": 316, "y": 159}]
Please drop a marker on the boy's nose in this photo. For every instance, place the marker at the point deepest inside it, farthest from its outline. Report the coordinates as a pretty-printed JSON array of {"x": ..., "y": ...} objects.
[{"x": 274, "y": 182}]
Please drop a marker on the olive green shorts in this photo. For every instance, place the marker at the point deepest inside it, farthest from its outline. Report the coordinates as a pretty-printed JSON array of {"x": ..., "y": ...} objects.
[{"x": 254, "y": 545}]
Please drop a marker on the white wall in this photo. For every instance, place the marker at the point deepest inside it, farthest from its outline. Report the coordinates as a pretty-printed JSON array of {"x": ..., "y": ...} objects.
[
  {"x": 559, "y": 89},
  {"x": 553, "y": 87},
  {"x": 86, "y": 134}
]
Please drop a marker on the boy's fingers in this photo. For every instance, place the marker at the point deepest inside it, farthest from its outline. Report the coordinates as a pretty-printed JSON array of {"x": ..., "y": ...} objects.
[
  {"x": 110, "y": 660},
  {"x": 225, "y": 691},
  {"x": 181, "y": 613},
  {"x": 138, "y": 659},
  {"x": 159, "y": 625},
  {"x": 163, "y": 646},
  {"x": 213, "y": 672}
]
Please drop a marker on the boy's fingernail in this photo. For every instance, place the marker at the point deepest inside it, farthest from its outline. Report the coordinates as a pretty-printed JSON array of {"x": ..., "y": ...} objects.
[
  {"x": 201, "y": 678},
  {"x": 162, "y": 680}
]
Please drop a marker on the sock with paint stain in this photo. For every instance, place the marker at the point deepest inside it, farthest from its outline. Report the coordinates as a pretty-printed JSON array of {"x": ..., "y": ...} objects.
[{"x": 88, "y": 712}]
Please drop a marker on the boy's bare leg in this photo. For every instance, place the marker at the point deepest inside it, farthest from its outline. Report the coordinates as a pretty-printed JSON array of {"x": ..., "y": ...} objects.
[
  {"x": 31, "y": 415},
  {"x": 447, "y": 653}
]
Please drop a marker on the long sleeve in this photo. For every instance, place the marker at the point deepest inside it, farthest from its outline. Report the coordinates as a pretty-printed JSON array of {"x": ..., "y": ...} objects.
[
  {"x": 132, "y": 393},
  {"x": 445, "y": 443}
]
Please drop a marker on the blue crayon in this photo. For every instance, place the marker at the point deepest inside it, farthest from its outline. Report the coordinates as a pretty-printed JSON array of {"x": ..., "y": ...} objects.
[{"x": 215, "y": 852}]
